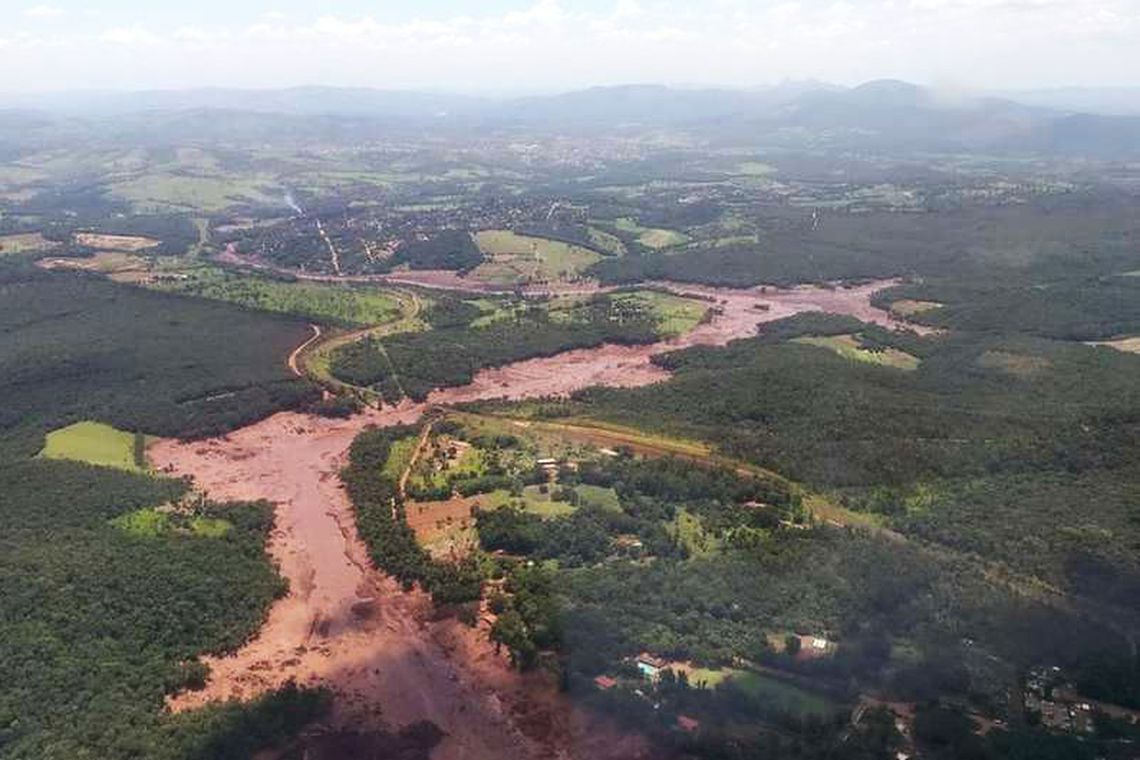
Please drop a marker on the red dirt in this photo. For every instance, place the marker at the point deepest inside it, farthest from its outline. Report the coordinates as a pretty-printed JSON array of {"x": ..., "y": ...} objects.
[
  {"x": 348, "y": 627},
  {"x": 631, "y": 366}
]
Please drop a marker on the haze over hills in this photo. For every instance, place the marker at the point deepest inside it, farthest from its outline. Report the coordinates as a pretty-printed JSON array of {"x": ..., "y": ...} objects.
[{"x": 878, "y": 114}]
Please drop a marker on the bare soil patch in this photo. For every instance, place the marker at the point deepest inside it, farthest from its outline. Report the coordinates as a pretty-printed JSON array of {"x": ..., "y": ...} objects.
[{"x": 127, "y": 243}]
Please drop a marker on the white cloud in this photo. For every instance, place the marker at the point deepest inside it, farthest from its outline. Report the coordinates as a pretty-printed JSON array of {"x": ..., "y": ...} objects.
[
  {"x": 44, "y": 11},
  {"x": 130, "y": 36}
]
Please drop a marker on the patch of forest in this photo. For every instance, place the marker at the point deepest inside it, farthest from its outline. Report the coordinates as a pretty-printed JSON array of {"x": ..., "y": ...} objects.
[
  {"x": 76, "y": 347},
  {"x": 1012, "y": 245},
  {"x": 448, "y": 249}
]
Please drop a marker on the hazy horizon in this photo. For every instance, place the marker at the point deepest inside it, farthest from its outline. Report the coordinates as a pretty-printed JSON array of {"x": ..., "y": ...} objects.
[{"x": 512, "y": 47}]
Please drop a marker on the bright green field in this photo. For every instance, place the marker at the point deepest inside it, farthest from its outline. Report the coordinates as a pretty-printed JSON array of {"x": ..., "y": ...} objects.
[
  {"x": 323, "y": 302},
  {"x": 522, "y": 258},
  {"x": 848, "y": 347},
  {"x": 151, "y": 523},
  {"x": 541, "y": 504},
  {"x": 93, "y": 443}
]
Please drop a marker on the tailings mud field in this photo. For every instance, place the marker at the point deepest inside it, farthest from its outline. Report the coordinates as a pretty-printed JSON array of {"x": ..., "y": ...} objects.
[{"x": 381, "y": 650}]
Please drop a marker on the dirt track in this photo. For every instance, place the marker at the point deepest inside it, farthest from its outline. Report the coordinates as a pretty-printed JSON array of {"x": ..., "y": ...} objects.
[{"x": 348, "y": 627}]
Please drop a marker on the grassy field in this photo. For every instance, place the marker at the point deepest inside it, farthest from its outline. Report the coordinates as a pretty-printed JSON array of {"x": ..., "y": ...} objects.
[
  {"x": 543, "y": 505},
  {"x": 651, "y": 237},
  {"x": 597, "y": 496},
  {"x": 160, "y": 191},
  {"x": 521, "y": 258},
  {"x": 94, "y": 443},
  {"x": 400, "y": 456},
  {"x": 908, "y": 307},
  {"x": 324, "y": 302},
  {"x": 25, "y": 242},
  {"x": 675, "y": 315},
  {"x": 788, "y": 696},
  {"x": 849, "y": 347},
  {"x": 152, "y": 523},
  {"x": 607, "y": 242}
]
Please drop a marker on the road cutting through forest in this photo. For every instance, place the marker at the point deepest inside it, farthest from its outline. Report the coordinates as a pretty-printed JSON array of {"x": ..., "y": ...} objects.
[{"x": 382, "y": 652}]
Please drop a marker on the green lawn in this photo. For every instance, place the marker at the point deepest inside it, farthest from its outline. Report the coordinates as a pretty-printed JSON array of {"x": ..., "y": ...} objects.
[
  {"x": 597, "y": 496},
  {"x": 94, "y": 443},
  {"x": 542, "y": 505},
  {"x": 785, "y": 695}
]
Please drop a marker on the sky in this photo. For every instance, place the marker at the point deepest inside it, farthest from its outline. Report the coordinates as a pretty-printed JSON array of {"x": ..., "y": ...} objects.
[{"x": 523, "y": 46}]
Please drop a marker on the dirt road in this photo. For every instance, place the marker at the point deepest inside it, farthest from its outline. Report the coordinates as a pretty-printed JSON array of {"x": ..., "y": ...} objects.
[{"x": 348, "y": 627}]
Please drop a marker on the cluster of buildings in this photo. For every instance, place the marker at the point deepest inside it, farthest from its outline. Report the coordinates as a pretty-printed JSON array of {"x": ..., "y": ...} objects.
[{"x": 1049, "y": 696}]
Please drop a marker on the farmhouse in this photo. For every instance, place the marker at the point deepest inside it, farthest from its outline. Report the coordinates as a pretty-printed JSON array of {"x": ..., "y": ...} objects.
[
  {"x": 605, "y": 682},
  {"x": 649, "y": 666}
]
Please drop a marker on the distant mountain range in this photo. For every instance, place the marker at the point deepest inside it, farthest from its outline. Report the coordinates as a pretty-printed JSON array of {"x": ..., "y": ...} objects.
[{"x": 883, "y": 114}]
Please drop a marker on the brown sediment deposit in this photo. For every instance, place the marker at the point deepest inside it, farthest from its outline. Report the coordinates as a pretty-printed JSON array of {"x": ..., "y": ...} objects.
[{"x": 387, "y": 658}]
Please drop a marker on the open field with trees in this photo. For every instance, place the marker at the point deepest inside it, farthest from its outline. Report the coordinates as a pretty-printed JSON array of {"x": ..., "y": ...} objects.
[
  {"x": 331, "y": 303},
  {"x": 514, "y": 258}
]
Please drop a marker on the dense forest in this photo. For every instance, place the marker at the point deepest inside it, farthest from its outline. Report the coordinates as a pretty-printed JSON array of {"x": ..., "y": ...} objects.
[
  {"x": 1040, "y": 242},
  {"x": 105, "y": 611}
]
